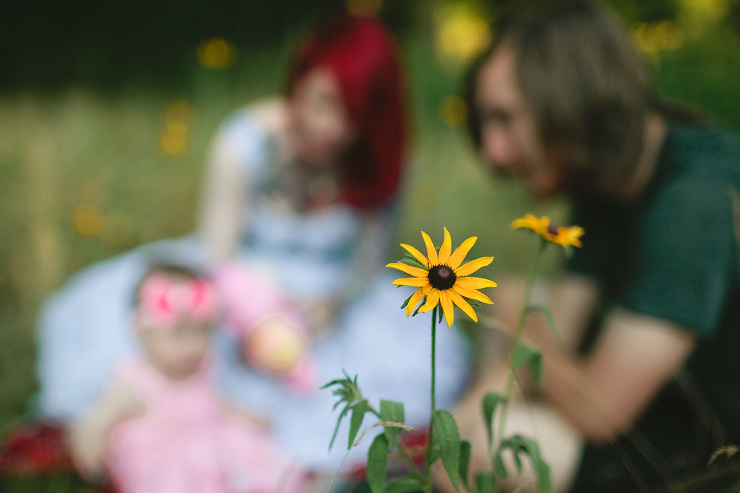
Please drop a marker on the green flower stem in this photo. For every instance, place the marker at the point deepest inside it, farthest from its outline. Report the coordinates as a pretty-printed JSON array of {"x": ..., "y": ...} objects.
[
  {"x": 519, "y": 334},
  {"x": 434, "y": 357},
  {"x": 428, "y": 484}
]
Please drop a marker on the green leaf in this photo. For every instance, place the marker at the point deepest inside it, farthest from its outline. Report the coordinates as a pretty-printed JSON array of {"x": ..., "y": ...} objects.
[
  {"x": 358, "y": 414},
  {"x": 342, "y": 381},
  {"x": 541, "y": 469},
  {"x": 499, "y": 466},
  {"x": 434, "y": 455},
  {"x": 449, "y": 444},
  {"x": 521, "y": 445},
  {"x": 406, "y": 302},
  {"x": 409, "y": 259},
  {"x": 377, "y": 462},
  {"x": 333, "y": 382},
  {"x": 489, "y": 404},
  {"x": 465, "y": 454},
  {"x": 404, "y": 485},
  {"x": 486, "y": 482},
  {"x": 531, "y": 357},
  {"x": 511, "y": 443},
  {"x": 392, "y": 412},
  {"x": 547, "y": 312},
  {"x": 421, "y": 303},
  {"x": 339, "y": 421}
]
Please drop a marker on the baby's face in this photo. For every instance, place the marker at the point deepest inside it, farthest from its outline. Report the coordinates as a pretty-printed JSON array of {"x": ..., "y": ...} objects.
[{"x": 179, "y": 350}]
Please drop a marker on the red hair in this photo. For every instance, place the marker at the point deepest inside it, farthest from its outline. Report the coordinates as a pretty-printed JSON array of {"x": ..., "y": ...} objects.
[{"x": 362, "y": 56}]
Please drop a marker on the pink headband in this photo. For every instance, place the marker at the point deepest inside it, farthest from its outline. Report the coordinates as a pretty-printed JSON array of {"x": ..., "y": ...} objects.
[{"x": 163, "y": 301}]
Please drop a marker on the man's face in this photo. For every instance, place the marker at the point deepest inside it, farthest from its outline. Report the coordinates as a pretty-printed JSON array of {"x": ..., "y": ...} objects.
[{"x": 509, "y": 139}]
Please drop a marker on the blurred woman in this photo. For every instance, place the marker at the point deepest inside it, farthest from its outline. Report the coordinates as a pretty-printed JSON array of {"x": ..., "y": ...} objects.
[{"x": 302, "y": 189}]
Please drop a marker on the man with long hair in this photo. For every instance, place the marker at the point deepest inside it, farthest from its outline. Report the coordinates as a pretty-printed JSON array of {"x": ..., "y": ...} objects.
[{"x": 649, "y": 307}]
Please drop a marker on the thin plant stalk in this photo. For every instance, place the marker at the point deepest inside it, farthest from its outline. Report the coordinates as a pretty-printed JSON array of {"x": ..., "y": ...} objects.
[
  {"x": 428, "y": 483},
  {"x": 519, "y": 334}
]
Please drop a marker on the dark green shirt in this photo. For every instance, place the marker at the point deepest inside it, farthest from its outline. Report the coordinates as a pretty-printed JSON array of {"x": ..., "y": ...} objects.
[{"x": 672, "y": 254}]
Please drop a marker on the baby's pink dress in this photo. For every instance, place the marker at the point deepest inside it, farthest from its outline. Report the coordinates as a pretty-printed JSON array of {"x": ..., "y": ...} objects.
[{"x": 186, "y": 443}]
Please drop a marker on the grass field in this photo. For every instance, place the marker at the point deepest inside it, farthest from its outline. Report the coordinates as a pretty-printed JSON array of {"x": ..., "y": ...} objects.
[{"x": 85, "y": 176}]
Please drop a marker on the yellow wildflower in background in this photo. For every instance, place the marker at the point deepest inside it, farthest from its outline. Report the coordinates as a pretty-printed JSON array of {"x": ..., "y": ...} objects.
[
  {"x": 443, "y": 279},
  {"x": 562, "y": 235}
]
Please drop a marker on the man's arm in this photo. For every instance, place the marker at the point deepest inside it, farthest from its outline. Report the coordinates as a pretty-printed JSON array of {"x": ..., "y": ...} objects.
[
  {"x": 572, "y": 300},
  {"x": 605, "y": 392}
]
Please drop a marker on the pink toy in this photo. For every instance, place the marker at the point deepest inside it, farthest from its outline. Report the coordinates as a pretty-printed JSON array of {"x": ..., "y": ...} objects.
[{"x": 273, "y": 335}]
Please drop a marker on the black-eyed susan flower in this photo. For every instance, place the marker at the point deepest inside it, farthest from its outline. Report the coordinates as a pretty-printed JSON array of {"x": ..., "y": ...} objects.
[
  {"x": 442, "y": 278},
  {"x": 566, "y": 236}
]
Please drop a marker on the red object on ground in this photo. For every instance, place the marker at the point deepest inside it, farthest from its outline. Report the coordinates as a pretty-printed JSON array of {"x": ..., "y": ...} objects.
[
  {"x": 39, "y": 448},
  {"x": 415, "y": 445},
  {"x": 35, "y": 448}
]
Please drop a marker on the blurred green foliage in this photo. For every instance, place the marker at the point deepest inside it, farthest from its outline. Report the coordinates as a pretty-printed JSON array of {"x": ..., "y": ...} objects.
[{"x": 108, "y": 44}]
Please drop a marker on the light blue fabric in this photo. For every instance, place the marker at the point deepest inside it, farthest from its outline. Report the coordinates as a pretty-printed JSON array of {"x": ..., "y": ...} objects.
[{"x": 85, "y": 327}]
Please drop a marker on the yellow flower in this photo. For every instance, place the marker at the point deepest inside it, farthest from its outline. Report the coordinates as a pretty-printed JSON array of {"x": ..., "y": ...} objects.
[
  {"x": 562, "y": 235},
  {"x": 443, "y": 279}
]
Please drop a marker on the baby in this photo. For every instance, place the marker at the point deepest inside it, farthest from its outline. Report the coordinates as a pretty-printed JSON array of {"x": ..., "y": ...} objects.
[{"x": 160, "y": 427}]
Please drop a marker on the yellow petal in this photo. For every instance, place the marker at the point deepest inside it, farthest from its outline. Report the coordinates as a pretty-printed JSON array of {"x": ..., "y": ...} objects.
[
  {"x": 528, "y": 221},
  {"x": 446, "y": 303},
  {"x": 473, "y": 266},
  {"x": 444, "y": 251},
  {"x": 432, "y": 300},
  {"x": 414, "y": 301},
  {"x": 409, "y": 269},
  {"x": 464, "y": 305},
  {"x": 538, "y": 225},
  {"x": 431, "y": 252},
  {"x": 544, "y": 223},
  {"x": 459, "y": 254},
  {"x": 570, "y": 236},
  {"x": 416, "y": 282},
  {"x": 474, "y": 283},
  {"x": 472, "y": 294},
  {"x": 417, "y": 254}
]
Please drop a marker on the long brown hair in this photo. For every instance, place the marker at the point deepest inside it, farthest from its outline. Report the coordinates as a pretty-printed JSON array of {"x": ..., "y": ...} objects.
[{"x": 588, "y": 88}]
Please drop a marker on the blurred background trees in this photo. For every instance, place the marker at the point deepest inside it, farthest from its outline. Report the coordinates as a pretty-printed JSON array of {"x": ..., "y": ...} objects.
[{"x": 47, "y": 44}]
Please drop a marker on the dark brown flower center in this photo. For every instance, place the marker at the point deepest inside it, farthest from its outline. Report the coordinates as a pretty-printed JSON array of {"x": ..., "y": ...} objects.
[
  {"x": 552, "y": 229},
  {"x": 441, "y": 277}
]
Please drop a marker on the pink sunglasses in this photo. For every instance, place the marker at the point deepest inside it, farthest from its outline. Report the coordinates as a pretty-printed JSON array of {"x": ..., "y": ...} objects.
[{"x": 163, "y": 301}]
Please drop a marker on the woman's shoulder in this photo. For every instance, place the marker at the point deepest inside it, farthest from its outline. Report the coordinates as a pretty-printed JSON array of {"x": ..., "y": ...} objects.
[
  {"x": 270, "y": 113},
  {"x": 249, "y": 133},
  {"x": 266, "y": 116}
]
